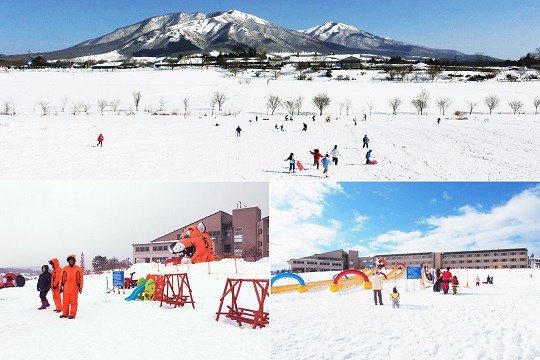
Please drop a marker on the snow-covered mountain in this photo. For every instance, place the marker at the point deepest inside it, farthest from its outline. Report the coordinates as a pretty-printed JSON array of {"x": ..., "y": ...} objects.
[
  {"x": 351, "y": 37},
  {"x": 199, "y": 32}
]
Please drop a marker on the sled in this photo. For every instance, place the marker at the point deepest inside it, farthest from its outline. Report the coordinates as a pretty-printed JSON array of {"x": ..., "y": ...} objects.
[
  {"x": 372, "y": 162},
  {"x": 299, "y": 165},
  {"x": 437, "y": 287}
]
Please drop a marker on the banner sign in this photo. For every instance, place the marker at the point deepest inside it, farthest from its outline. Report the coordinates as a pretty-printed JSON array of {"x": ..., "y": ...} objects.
[{"x": 414, "y": 272}]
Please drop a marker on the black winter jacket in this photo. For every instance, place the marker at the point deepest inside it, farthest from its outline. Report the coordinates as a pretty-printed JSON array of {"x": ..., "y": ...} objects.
[{"x": 44, "y": 282}]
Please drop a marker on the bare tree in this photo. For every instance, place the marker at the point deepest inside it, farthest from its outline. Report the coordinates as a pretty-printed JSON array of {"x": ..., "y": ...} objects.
[
  {"x": 7, "y": 108},
  {"x": 64, "y": 101},
  {"x": 348, "y": 104},
  {"x": 276, "y": 73},
  {"x": 185, "y": 101},
  {"x": 114, "y": 105},
  {"x": 254, "y": 253},
  {"x": 536, "y": 103},
  {"x": 102, "y": 104},
  {"x": 516, "y": 105},
  {"x": 272, "y": 103},
  {"x": 44, "y": 105},
  {"x": 290, "y": 106},
  {"x": 370, "y": 105},
  {"x": 85, "y": 106},
  {"x": 137, "y": 99},
  {"x": 219, "y": 98},
  {"x": 443, "y": 104},
  {"x": 298, "y": 102},
  {"x": 321, "y": 101},
  {"x": 161, "y": 103},
  {"x": 234, "y": 68},
  {"x": 492, "y": 102},
  {"x": 421, "y": 101},
  {"x": 75, "y": 108},
  {"x": 341, "y": 106},
  {"x": 434, "y": 71},
  {"x": 394, "y": 104},
  {"x": 471, "y": 106}
]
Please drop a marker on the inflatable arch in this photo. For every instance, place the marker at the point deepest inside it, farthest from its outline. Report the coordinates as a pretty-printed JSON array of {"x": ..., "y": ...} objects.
[
  {"x": 335, "y": 287},
  {"x": 301, "y": 288}
]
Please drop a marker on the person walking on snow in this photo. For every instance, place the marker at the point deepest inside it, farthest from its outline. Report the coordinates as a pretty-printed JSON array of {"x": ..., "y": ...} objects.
[
  {"x": 477, "y": 280},
  {"x": 335, "y": 154},
  {"x": 238, "y": 131},
  {"x": 376, "y": 285},
  {"x": 446, "y": 280},
  {"x": 55, "y": 284},
  {"x": 316, "y": 157},
  {"x": 100, "y": 140},
  {"x": 368, "y": 157},
  {"x": 394, "y": 296},
  {"x": 365, "y": 140},
  {"x": 71, "y": 285},
  {"x": 455, "y": 284},
  {"x": 292, "y": 163},
  {"x": 304, "y": 128},
  {"x": 326, "y": 164},
  {"x": 43, "y": 286}
]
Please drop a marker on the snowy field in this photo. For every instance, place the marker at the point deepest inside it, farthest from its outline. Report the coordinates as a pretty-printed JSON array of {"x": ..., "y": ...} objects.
[
  {"x": 501, "y": 146},
  {"x": 492, "y": 322},
  {"x": 109, "y": 327}
]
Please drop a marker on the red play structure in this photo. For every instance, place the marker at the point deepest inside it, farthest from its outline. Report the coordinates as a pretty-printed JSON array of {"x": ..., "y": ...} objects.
[
  {"x": 12, "y": 280},
  {"x": 176, "y": 290},
  {"x": 256, "y": 317}
]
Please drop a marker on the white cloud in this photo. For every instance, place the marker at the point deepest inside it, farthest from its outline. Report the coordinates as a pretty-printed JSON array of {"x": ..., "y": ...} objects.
[
  {"x": 446, "y": 196},
  {"x": 297, "y": 227},
  {"x": 433, "y": 201},
  {"x": 359, "y": 221},
  {"x": 515, "y": 223}
]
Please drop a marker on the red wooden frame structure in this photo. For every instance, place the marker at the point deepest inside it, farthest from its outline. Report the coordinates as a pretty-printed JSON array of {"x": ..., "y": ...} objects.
[
  {"x": 256, "y": 317},
  {"x": 175, "y": 285}
]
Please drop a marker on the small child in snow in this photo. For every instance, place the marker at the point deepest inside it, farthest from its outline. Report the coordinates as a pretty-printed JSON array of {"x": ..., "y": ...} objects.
[
  {"x": 455, "y": 284},
  {"x": 292, "y": 162},
  {"x": 326, "y": 164},
  {"x": 100, "y": 140},
  {"x": 477, "y": 279},
  {"x": 394, "y": 295}
]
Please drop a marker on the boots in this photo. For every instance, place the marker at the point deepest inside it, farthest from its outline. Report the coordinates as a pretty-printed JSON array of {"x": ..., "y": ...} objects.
[
  {"x": 43, "y": 306},
  {"x": 47, "y": 303}
]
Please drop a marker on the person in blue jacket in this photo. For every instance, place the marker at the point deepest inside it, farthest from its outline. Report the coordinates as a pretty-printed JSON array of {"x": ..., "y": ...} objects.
[
  {"x": 368, "y": 156},
  {"x": 326, "y": 164},
  {"x": 43, "y": 286}
]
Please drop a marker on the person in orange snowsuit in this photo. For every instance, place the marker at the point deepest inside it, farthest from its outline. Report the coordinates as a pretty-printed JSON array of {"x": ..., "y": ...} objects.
[
  {"x": 55, "y": 284},
  {"x": 71, "y": 285}
]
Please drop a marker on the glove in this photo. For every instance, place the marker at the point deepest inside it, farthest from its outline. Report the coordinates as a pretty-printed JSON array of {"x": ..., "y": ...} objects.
[
  {"x": 80, "y": 291},
  {"x": 61, "y": 289},
  {"x": 55, "y": 287}
]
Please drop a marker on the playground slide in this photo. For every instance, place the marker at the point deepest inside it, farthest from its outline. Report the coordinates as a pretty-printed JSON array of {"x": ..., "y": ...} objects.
[{"x": 139, "y": 289}]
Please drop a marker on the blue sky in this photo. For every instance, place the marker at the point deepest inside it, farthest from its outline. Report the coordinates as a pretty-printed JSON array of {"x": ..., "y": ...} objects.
[
  {"x": 398, "y": 217},
  {"x": 504, "y": 29}
]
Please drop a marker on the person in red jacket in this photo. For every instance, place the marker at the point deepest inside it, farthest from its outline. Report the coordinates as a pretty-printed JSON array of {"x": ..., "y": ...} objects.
[
  {"x": 55, "y": 284},
  {"x": 316, "y": 157},
  {"x": 71, "y": 284},
  {"x": 446, "y": 280},
  {"x": 100, "y": 140}
]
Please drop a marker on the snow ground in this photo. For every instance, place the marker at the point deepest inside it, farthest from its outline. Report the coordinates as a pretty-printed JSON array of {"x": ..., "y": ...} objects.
[
  {"x": 501, "y": 146},
  {"x": 499, "y": 321},
  {"x": 107, "y": 326}
]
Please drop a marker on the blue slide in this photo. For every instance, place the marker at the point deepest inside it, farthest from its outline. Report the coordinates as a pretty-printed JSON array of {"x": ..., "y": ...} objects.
[{"x": 139, "y": 289}]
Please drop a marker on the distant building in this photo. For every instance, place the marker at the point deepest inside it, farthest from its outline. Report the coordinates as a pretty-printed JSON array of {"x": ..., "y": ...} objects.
[
  {"x": 243, "y": 234},
  {"x": 479, "y": 259}
]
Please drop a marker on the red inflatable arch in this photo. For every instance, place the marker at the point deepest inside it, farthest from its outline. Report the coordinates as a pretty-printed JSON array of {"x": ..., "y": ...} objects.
[{"x": 350, "y": 271}]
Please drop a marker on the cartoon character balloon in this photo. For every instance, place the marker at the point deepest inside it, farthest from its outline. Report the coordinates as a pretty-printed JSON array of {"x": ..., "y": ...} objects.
[
  {"x": 194, "y": 244},
  {"x": 381, "y": 263}
]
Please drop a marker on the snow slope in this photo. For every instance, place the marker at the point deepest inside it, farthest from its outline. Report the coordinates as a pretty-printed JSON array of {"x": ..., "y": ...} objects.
[
  {"x": 107, "y": 326},
  {"x": 499, "y": 321},
  {"x": 501, "y": 146}
]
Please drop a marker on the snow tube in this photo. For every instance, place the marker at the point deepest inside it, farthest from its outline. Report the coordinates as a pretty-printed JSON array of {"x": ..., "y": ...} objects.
[
  {"x": 20, "y": 281},
  {"x": 437, "y": 287}
]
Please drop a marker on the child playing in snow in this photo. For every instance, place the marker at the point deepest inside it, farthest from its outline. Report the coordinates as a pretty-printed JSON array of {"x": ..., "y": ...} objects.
[
  {"x": 394, "y": 295},
  {"x": 326, "y": 164},
  {"x": 292, "y": 162},
  {"x": 455, "y": 284}
]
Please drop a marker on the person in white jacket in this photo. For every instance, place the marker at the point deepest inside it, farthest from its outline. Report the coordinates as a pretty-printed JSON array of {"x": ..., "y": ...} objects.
[
  {"x": 335, "y": 154},
  {"x": 377, "y": 285}
]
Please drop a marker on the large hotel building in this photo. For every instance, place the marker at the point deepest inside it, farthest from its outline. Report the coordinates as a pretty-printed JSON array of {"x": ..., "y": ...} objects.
[
  {"x": 479, "y": 259},
  {"x": 242, "y": 234}
]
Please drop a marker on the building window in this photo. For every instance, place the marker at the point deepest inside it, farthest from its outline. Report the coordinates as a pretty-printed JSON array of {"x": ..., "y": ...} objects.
[{"x": 238, "y": 231}]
